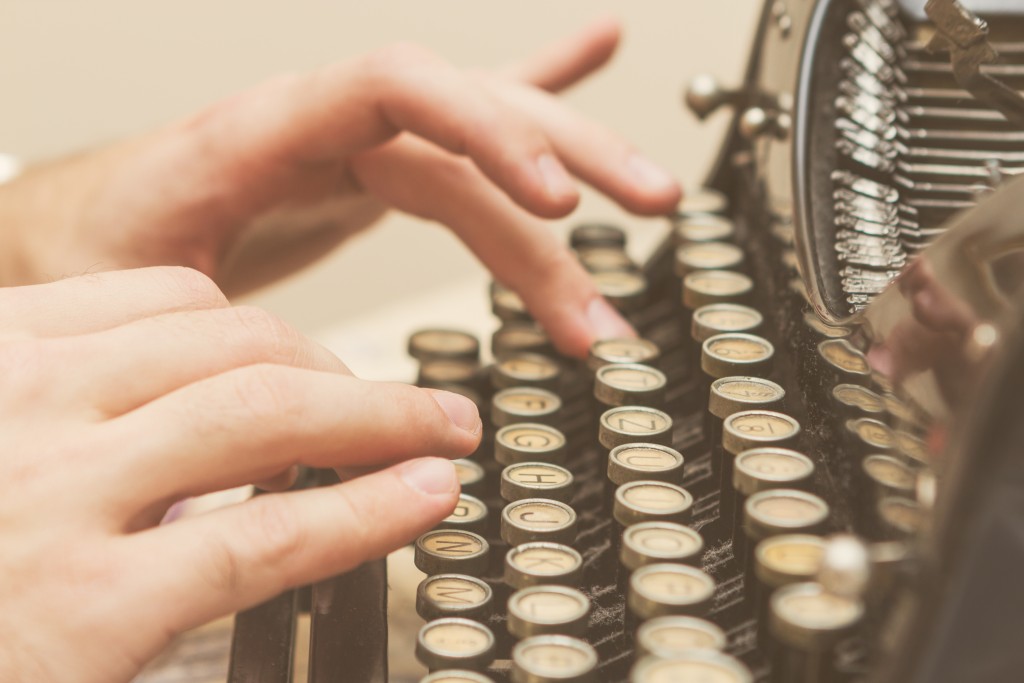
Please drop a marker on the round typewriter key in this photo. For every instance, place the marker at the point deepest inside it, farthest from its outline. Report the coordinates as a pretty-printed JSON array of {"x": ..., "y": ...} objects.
[
  {"x": 553, "y": 659},
  {"x": 696, "y": 665},
  {"x": 470, "y": 514},
  {"x": 453, "y": 595},
  {"x": 889, "y": 475},
  {"x": 439, "y": 372},
  {"x": 519, "y": 337},
  {"x": 752, "y": 428},
  {"x": 850, "y": 363},
  {"x": 524, "y": 404},
  {"x": 704, "y": 287},
  {"x": 593, "y": 235},
  {"x": 436, "y": 344},
  {"x": 450, "y": 551},
  {"x": 539, "y": 563},
  {"x": 471, "y": 476},
  {"x": 529, "y": 442},
  {"x": 548, "y": 610},
  {"x": 901, "y": 411},
  {"x": 736, "y": 353},
  {"x": 598, "y": 259},
  {"x": 783, "y": 511},
  {"x": 873, "y": 434},
  {"x": 455, "y": 676},
  {"x": 653, "y": 542},
  {"x": 658, "y": 590},
  {"x": 538, "y": 519},
  {"x": 508, "y": 306},
  {"x": 630, "y": 385},
  {"x": 453, "y": 642},
  {"x": 912, "y": 448},
  {"x": 823, "y": 329},
  {"x": 619, "y": 351},
  {"x": 714, "y": 319},
  {"x": 789, "y": 558},
  {"x": 651, "y": 501},
  {"x": 536, "y": 480},
  {"x": 670, "y": 637},
  {"x": 706, "y": 228},
  {"x": 644, "y": 461},
  {"x": 857, "y": 400},
  {"x": 626, "y": 290},
  {"x": 900, "y": 516},
  {"x": 734, "y": 394},
  {"x": 633, "y": 424},
  {"x": 525, "y": 370},
  {"x": 769, "y": 467},
  {"x": 707, "y": 256},
  {"x": 703, "y": 200},
  {"x": 807, "y": 623}
]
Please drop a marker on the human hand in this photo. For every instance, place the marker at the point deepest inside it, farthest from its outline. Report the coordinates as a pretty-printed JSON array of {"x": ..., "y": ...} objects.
[
  {"x": 126, "y": 391},
  {"x": 264, "y": 182}
]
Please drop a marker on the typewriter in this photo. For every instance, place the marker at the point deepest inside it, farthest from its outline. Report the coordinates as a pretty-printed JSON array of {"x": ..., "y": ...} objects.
[{"x": 809, "y": 467}]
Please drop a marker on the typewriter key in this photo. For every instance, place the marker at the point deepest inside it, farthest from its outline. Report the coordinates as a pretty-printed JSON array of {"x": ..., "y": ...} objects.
[
  {"x": 703, "y": 200},
  {"x": 806, "y": 624},
  {"x": 507, "y": 305},
  {"x": 553, "y": 659},
  {"x": 526, "y": 370},
  {"x": 644, "y": 461},
  {"x": 600, "y": 259},
  {"x": 776, "y": 512},
  {"x": 723, "y": 318},
  {"x": 448, "y": 551},
  {"x": 630, "y": 385},
  {"x": 594, "y": 235},
  {"x": 695, "y": 665},
  {"x": 888, "y": 476},
  {"x": 618, "y": 351},
  {"x": 848, "y": 363},
  {"x": 658, "y": 590},
  {"x": 913, "y": 448},
  {"x": 871, "y": 434},
  {"x": 900, "y": 517},
  {"x": 625, "y": 290},
  {"x": 845, "y": 567},
  {"x": 633, "y": 424},
  {"x": 455, "y": 676},
  {"x": 455, "y": 643},
  {"x": 529, "y": 442},
  {"x": 538, "y": 519},
  {"x": 704, "y": 287},
  {"x": 671, "y": 637},
  {"x": 730, "y": 395},
  {"x": 858, "y": 401},
  {"x": 439, "y": 372},
  {"x": 736, "y": 353},
  {"x": 763, "y": 469},
  {"x": 781, "y": 561},
  {"x": 706, "y": 228},
  {"x": 690, "y": 258},
  {"x": 436, "y": 344},
  {"x": 536, "y": 480},
  {"x": 453, "y": 595},
  {"x": 539, "y": 563},
  {"x": 470, "y": 514},
  {"x": 548, "y": 610},
  {"x": 516, "y": 337},
  {"x": 653, "y": 542},
  {"x": 651, "y": 501},
  {"x": 525, "y": 404},
  {"x": 823, "y": 329},
  {"x": 471, "y": 476}
]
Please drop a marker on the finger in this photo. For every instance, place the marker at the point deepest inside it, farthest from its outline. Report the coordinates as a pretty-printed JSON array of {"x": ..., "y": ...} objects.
[
  {"x": 519, "y": 249},
  {"x": 160, "y": 354},
  {"x": 252, "y": 423},
  {"x": 230, "y": 559},
  {"x": 596, "y": 154},
  {"x": 267, "y": 140},
  {"x": 567, "y": 61},
  {"x": 100, "y": 301}
]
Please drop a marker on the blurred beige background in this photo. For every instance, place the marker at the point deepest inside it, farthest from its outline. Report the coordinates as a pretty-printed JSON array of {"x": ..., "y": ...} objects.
[{"x": 77, "y": 73}]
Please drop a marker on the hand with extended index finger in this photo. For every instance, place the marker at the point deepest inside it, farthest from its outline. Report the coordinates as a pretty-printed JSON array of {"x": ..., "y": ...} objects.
[
  {"x": 264, "y": 182},
  {"x": 162, "y": 391}
]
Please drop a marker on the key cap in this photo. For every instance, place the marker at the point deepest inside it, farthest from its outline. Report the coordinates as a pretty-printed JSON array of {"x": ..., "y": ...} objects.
[
  {"x": 634, "y": 424},
  {"x": 539, "y": 563},
  {"x": 447, "y": 551},
  {"x": 652, "y": 501},
  {"x": 529, "y": 442},
  {"x": 453, "y": 642},
  {"x": 630, "y": 385},
  {"x": 538, "y": 519},
  {"x": 525, "y": 404},
  {"x": 653, "y": 542},
  {"x": 704, "y": 287},
  {"x": 658, "y": 590},
  {"x": 644, "y": 461},
  {"x": 622, "y": 351},
  {"x": 696, "y": 665},
  {"x": 696, "y": 228},
  {"x": 442, "y": 344},
  {"x": 453, "y": 595},
  {"x": 548, "y": 610},
  {"x": 553, "y": 659},
  {"x": 526, "y": 370},
  {"x": 671, "y": 637},
  {"x": 697, "y": 256},
  {"x": 715, "y": 319},
  {"x": 470, "y": 514},
  {"x": 536, "y": 480},
  {"x": 592, "y": 235},
  {"x": 806, "y": 624},
  {"x": 455, "y": 676}
]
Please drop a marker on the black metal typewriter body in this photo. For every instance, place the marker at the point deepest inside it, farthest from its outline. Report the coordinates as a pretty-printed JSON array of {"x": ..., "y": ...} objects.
[{"x": 869, "y": 180}]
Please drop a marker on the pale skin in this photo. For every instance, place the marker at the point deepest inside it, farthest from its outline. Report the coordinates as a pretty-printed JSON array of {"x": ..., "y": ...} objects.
[{"x": 126, "y": 390}]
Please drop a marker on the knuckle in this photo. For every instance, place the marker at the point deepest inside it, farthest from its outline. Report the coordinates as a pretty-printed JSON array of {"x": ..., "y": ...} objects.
[
  {"x": 267, "y": 331},
  {"x": 223, "y": 566},
  {"x": 275, "y": 531},
  {"x": 191, "y": 286}
]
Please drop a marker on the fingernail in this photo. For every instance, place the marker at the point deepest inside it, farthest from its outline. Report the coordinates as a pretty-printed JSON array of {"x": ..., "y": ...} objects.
[
  {"x": 460, "y": 410},
  {"x": 430, "y": 475},
  {"x": 605, "y": 321},
  {"x": 648, "y": 174},
  {"x": 554, "y": 176}
]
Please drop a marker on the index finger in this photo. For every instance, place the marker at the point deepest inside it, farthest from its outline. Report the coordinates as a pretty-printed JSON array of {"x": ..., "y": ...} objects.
[{"x": 570, "y": 59}]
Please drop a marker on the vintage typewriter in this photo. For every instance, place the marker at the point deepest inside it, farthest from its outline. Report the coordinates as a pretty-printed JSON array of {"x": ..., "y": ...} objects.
[{"x": 810, "y": 465}]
